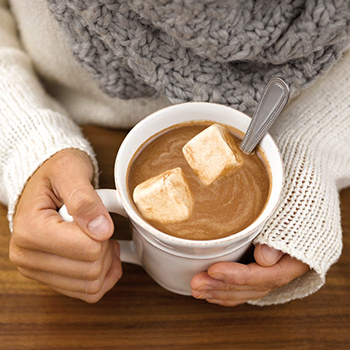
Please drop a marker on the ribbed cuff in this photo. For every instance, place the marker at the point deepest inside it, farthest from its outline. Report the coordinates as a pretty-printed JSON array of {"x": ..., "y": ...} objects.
[
  {"x": 35, "y": 146},
  {"x": 313, "y": 137}
]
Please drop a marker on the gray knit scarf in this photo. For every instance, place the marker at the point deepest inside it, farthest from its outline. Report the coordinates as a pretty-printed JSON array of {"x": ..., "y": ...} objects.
[{"x": 221, "y": 51}]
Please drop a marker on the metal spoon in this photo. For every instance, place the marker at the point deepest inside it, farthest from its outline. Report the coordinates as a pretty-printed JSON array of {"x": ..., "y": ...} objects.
[{"x": 274, "y": 98}]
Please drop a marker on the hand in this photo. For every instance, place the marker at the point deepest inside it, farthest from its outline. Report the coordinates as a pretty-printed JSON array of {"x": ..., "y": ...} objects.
[
  {"x": 74, "y": 258},
  {"x": 231, "y": 284}
]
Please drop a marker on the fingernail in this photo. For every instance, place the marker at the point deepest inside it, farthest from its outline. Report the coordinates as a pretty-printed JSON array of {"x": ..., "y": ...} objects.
[
  {"x": 270, "y": 255},
  {"x": 99, "y": 226},
  {"x": 218, "y": 276}
]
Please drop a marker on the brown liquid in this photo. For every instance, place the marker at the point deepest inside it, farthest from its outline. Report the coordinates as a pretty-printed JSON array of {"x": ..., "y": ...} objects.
[{"x": 227, "y": 206}]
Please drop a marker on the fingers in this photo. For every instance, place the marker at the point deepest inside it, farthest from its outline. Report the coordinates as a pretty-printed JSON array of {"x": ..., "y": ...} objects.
[
  {"x": 38, "y": 226},
  {"x": 255, "y": 275},
  {"x": 110, "y": 280},
  {"x": 227, "y": 299},
  {"x": 233, "y": 283},
  {"x": 50, "y": 234},
  {"x": 88, "y": 211},
  {"x": 82, "y": 201},
  {"x": 203, "y": 282},
  {"x": 266, "y": 256},
  {"x": 55, "y": 264},
  {"x": 86, "y": 281},
  {"x": 75, "y": 258}
]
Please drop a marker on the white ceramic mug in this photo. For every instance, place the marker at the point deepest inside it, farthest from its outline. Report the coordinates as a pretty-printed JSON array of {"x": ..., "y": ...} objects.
[{"x": 172, "y": 261}]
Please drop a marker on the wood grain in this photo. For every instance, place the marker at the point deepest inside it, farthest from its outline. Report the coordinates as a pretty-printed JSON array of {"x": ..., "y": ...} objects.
[{"x": 139, "y": 314}]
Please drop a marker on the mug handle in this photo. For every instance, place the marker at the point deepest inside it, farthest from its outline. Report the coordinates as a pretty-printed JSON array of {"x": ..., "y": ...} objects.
[{"x": 112, "y": 202}]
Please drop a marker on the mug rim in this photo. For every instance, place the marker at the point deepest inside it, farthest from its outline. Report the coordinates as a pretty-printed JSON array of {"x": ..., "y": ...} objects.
[{"x": 135, "y": 217}]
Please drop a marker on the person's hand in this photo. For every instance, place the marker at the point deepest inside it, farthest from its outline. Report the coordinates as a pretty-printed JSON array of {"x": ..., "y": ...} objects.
[
  {"x": 231, "y": 284},
  {"x": 74, "y": 258}
]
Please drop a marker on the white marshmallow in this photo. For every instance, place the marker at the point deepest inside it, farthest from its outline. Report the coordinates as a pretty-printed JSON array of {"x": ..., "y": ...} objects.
[
  {"x": 165, "y": 198},
  {"x": 212, "y": 153}
]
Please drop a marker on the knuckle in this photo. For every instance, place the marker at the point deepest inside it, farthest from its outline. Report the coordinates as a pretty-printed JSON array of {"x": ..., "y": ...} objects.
[
  {"x": 94, "y": 287},
  {"x": 118, "y": 274},
  {"x": 13, "y": 253},
  {"x": 93, "y": 251},
  {"x": 14, "y": 258},
  {"x": 92, "y": 299},
  {"x": 80, "y": 201},
  {"x": 19, "y": 237},
  {"x": 95, "y": 271},
  {"x": 16, "y": 255}
]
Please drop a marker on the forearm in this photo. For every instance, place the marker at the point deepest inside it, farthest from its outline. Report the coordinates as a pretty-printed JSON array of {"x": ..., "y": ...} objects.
[
  {"x": 314, "y": 138},
  {"x": 33, "y": 126}
]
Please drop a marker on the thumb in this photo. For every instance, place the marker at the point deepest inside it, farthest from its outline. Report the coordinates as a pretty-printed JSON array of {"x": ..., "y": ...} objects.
[
  {"x": 267, "y": 256},
  {"x": 74, "y": 188}
]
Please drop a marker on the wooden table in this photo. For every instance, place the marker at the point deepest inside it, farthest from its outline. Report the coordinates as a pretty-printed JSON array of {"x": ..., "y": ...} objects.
[{"x": 139, "y": 314}]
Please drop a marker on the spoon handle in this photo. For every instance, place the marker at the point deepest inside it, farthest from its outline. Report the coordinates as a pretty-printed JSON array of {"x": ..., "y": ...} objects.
[{"x": 275, "y": 97}]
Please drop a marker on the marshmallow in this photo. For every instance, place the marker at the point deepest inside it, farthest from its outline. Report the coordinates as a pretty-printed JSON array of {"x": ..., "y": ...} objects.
[
  {"x": 165, "y": 198},
  {"x": 212, "y": 153}
]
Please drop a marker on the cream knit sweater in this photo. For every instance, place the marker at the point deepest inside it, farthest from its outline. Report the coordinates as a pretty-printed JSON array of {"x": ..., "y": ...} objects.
[{"x": 44, "y": 94}]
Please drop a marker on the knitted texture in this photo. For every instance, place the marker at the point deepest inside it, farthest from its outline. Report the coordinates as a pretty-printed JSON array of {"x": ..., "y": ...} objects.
[
  {"x": 33, "y": 127},
  {"x": 313, "y": 135},
  {"x": 190, "y": 50}
]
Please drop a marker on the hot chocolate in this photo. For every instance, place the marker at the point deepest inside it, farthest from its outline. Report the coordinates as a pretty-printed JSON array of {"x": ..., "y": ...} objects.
[{"x": 220, "y": 209}]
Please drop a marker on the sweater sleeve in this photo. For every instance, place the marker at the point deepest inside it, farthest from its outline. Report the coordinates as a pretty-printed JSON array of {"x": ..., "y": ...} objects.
[
  {"x": 33, "y": 127},
  {"x": 313, "y": 134}
]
